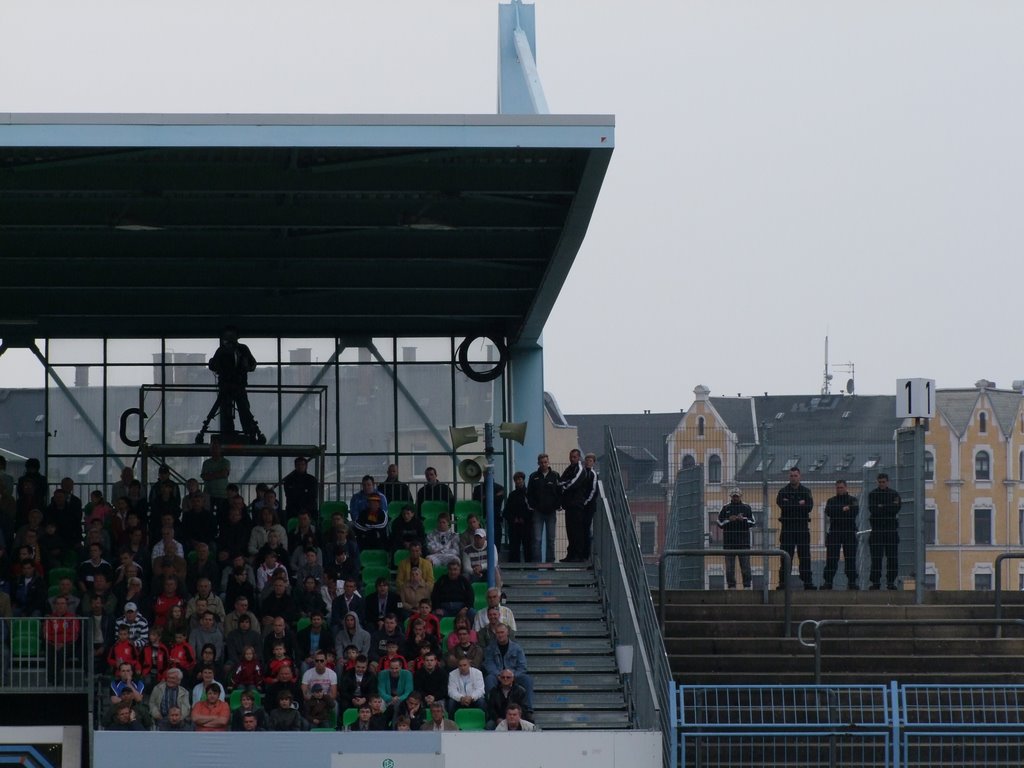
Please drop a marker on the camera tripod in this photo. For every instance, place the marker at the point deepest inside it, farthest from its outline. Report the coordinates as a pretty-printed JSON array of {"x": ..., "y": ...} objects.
[{"x": 224, "y": 406}]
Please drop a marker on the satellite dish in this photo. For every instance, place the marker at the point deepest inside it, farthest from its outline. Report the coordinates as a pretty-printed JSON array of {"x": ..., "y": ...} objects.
[{"x": 849, "y": 386}]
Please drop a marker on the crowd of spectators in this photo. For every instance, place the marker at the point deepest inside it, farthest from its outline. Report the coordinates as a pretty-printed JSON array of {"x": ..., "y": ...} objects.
[{"x": 208, "y": 611}]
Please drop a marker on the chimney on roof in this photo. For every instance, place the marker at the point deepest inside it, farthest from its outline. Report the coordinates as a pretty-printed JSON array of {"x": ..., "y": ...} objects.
[
  {"x": 1018, "y": 385},
  {"x": 700, "y": 392},
  {"x": 984, "y": 384}
]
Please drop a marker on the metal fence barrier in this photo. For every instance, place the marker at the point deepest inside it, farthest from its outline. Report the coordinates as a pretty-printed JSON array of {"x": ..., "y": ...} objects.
[
  {"x": 816, "y": 644},
  {"x": 46, "y": 654},
  {"x": 874, "y": 725},
  {"x": 787, "y": 564}
]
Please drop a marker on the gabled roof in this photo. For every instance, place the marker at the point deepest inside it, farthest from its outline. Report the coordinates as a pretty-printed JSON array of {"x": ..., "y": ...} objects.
[
  {"x": 738, "y": 416},
  {"x": 957, "y": 406},
  {"x": 644, "y": 433}
]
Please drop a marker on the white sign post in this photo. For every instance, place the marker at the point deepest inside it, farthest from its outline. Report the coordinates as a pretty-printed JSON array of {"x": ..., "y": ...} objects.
[{"x": 915, "y": 398}]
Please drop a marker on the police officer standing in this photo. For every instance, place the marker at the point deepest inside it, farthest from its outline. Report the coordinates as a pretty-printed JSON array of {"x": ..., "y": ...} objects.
[
  {"x": 883, "y": 510},
  {"x": 795, "y": 502},
  {"x": 841, "y": 511},
  {"x": 736, "y": 519}
]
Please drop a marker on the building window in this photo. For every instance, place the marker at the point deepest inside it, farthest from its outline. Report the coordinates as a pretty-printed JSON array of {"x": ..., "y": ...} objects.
[
  {"x": 983, "y": 526},
  {"x": 1020, "y": 466},
  {"x": 648, "y": 537},
  {"x": 982, "y": 466},
  {"x": 714, "y": 468},
  {"x": 930, "y": 528},
  {"x": 931, "y": 580},
  {"x": 700, "y": 427},
  {"x": 689, "y": 462},
  {"x": 1020, "y": 525},
  {"x": 929, "y": 465},
  {"x": 983, "y": 422},
  {"x": 716, "y": 581},
  {"x": 983, "y": 582}
]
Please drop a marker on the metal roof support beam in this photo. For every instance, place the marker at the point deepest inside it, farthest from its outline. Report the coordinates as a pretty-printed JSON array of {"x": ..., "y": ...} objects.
[
  {"x": 519, "y": 88},
  {"x": 399, "y": 386},
  {"x": 86, "y": 419}
]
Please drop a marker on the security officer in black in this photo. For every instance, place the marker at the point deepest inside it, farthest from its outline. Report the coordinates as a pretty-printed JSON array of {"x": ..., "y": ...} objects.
[
  {"x": 883, "y": 511},
  {"x": 795, "y": 502},
  {"x": 736, "y": 519},
  {"x": 841, "y": 511}
]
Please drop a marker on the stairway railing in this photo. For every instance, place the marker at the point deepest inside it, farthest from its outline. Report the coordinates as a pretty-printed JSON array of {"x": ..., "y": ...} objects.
[{"x": 631, "y": 615}]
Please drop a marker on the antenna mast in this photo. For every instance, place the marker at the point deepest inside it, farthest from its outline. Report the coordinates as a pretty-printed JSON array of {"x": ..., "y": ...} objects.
[{"x": 826, "y": 383}]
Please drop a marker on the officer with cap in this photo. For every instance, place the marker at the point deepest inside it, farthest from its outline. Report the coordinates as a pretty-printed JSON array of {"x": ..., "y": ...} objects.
[{"x": 736, "y": 519}]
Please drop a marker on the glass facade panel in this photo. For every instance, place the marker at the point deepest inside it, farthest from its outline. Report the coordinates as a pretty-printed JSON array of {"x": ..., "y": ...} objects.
[
  {"x": 132, "y": 350},
  {"x": 389, "y": 400},
  {"x": 423, "y": 350},
  {"x": 61, "y": 351},
  {"x": 366, "y": 408}
]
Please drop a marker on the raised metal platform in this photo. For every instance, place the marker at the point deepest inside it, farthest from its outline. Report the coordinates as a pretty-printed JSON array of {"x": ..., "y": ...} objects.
[{"x": 231, "y": 449}]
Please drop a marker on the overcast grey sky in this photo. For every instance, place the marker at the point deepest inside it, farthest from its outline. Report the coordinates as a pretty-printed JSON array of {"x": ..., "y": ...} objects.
[{"x": 781, "y": 168}]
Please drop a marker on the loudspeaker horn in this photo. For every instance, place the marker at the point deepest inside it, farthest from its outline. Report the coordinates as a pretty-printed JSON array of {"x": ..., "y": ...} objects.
[
  {"x": 471, "y": 470},
  {"x": 463, "y": 436},
  {"x": 513, "y": 430}
]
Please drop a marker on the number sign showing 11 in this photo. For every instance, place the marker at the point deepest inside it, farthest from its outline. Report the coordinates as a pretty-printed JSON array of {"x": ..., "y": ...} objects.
[{"x": 915, "y": 398}]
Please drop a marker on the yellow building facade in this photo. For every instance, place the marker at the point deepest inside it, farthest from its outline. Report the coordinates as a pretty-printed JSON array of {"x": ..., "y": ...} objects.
[{"x": 974, "y": 494}]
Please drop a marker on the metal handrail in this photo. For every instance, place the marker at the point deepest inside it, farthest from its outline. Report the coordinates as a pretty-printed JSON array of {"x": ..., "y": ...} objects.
[
  {"x": 885, "y": 623},
  {"x": 787, "y": 560},
  {"x": 999, "y": 584}
]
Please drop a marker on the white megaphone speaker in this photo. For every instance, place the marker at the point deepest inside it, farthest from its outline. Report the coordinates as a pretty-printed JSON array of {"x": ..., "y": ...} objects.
[
  {"x": 471, "y": 470},
  {"x": 463, "y": 436},
  {"x": 512, "y": 430}
]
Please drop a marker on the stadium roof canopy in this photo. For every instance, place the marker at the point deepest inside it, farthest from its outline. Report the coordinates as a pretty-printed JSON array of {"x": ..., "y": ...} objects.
[{"x": 292, "y": 225}]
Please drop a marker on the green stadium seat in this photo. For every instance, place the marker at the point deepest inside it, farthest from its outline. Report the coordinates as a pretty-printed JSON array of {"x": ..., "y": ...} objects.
[
  {"x": 467, "y": 507},
  {"x": 400, "y": 555},
  {"x": 372, "y": 573},
  {"x": 470, "y": 719},
  {"x": 433, "y": 508},
  {"x": 395, "y": 508},
  {"x": 480, "y": 592},
  {"x": 328, "y": 508},
  {"x": 349, "y": 716},
  {"x": 235, "y": 699},
  {"x": 56, "y": 574},
  {"x": 374, "y": 558},
  {"x": 302, "y": 623}
]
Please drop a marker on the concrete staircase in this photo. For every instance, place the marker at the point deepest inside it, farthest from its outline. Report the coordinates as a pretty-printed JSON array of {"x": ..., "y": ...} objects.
[
  {"x": 563, "y": 630},
  {"x": 730, "y": 637}
]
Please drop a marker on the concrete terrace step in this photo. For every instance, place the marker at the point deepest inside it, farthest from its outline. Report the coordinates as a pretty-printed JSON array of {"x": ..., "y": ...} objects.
[
  {"x": 569, "y": 719},
  {"x": 757, "y": 666},
  {"x": 579, "y": 700},
  {"x": 847, "y": 646},
  {"x": 556, "y": 611},
  {"x": 514, "y": 579},
  {"x": 703, "y": 612},
  {"x": 559, "y": 682},
  {"x": 577, "y": 664},
  {"x": 541, "y": 594},
  {"x": 529, "y": 628},
  {"x": 535, "y": 647}
]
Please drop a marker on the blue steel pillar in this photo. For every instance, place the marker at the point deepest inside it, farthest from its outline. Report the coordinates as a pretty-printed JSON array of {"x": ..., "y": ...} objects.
[{"x": 526, "y": 385}]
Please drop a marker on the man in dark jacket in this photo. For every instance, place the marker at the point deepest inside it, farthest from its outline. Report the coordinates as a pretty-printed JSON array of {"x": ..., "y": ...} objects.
[
  {"x": 736, "y": 519},
  {"x": 519, "y": 519},
  {"x": 795, "y": 503},
  {"x": 300, "y": 489},
  {"x": 575, "y": 487},
  {"x": 506, "y": 691},
  {"x": 884, "y": 510},
  {"x": 543, "y": 494},
  {"x": 841, "y": 511}
]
